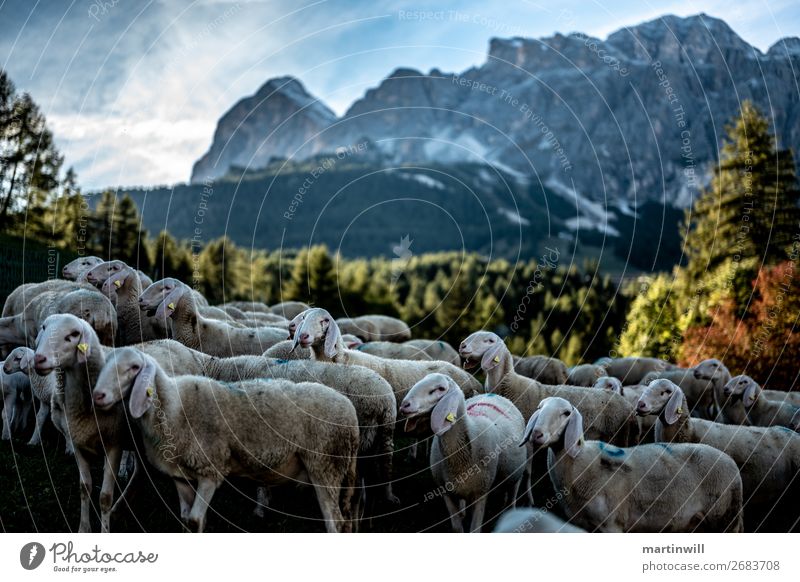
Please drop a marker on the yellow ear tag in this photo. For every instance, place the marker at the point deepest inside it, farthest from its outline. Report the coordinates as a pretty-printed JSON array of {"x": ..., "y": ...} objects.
[
  {"x": 171, "y": 305},
  {"x": 83, "y": 347},
  {"x": 680, "y": 411},
  {"x": 117, "y": 284},
  {"x": 496, "y": 360},
  {"x": 149, "y": 391},
  {"x": 450, "y": 417}
]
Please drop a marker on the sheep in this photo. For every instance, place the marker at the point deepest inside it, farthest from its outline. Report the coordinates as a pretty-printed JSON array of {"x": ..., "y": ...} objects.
[
  {"x": 254, "y": 306},
  {"x": 123, "y": 287},
  {"x": 631, "y": 370},
  {"x": 286, "y": 350},
  {"x": 393, "y": 351},
  {"x": 609, "y": 416},
  {"x": 15, "y": 389},
  {"x": 532, "y": 520},
  {"x": 98, "y": 274},
  {"x": 699, "y": 385},
  {"x": 21, "y": 360},
  {"x": 437, "y": 350},
  {"x": 767, "y": 457},
  {"x": 542, "y": 368},
  {"x": 782, "y": 396},
  {"x": 170, "y": 298},
  {"x": 197, "y": 429},
  {"x": 631, "y": 394},
  {"x": 88, "y": 304},
  {"x": 77, "y": 268},
  {"x": 320, "y": 332},
  {"x": 375, "y": 328},
  {"x": 646, "y": 488},
  {"x": 745, "y": 402},
  {"x": 796, "y": 421},
  {"x": 370, "y": 394},
  {"x": 584, "y": 375},
  {"x": 289, "y": 309},
  {"x": 26, "y": 293},
  {"x": 351, "y": 341},
  {"x": 474, "y": 448}
]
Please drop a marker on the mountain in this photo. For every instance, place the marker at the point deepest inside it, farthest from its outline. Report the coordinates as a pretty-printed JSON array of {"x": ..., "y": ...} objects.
[{"x": 636, "y": 117}]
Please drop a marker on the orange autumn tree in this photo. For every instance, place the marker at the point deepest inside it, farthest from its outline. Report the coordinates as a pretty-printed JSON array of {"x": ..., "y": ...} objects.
[{"x": 765, "y": 342}]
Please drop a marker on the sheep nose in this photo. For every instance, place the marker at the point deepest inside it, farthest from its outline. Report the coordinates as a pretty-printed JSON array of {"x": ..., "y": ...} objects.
[
  {"x": 303, "y": 337},
  {"x": 641, "y": 405},
  {"x": 538, "y": 435},
  {"x": 99, "y": 397},
  {"x": 39, "y": 359}
]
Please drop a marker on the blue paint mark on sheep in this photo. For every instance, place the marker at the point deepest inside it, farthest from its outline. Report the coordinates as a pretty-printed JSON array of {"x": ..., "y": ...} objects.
[
  {"x": 666, "y": 447},
  {"x": 281, "y": 361},
  {"x": 611, "y": 450}
]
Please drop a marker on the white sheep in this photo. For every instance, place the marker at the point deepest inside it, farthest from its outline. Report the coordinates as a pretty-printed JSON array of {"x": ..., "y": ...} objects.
[
  {"x": 699, "y": 385},
  {"x": 286, "y": 350},
  {"x": 646, "y": 488},
  {"x": 767, "y": 457},
  {"x": 98, "y": 274},
  {"x": 203, "y": 430},
  {"x": 609, "y": 416},
  {"x": 585, "y": 375},
  {"x": 393, "y": 351},
  {"x": 632, "y": 394},
  {"x": 632, "y": 370},
  {"x": 77, "y": 268},
  {"x": 289, "y": 309},
  {"x": 475, "y": 449},
  {"x": 171, "y": 299},
  {"x": 744, "y": 401},
  {"x": 437, "y": 350},
  {"x": 545, "y": 369},
  {"x": 320, "y": 332},
  {"x": 375, "y": 328},
  {"x": 533, "y": 520},
  {"x": 27, "y": 292},
  {"x": 16, "y": 392}
]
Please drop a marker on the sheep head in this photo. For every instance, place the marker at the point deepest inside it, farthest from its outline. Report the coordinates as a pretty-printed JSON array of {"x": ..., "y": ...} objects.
[
  {"x": 609, "y": 383},
  {"x": 162, "y": 297},
  {"x": 661, "y": 395},
  {"x": 713, "y": 370},
  {"x": 555, "y": 420},
  {"x": 74, "y": 269},
  {"x": 98, "y": 274},
  {"x": 295, "y": 323},
  {"x": 436, "y": 395},
  {"x": 127, "y": 371},
  {"x": 482, "y": 347},
  {"x": 318, "y": 328},
  {"x": 19, "y": 360},
  {"x": 743, "y": 387},
  {"x": 64, "y": 341}
]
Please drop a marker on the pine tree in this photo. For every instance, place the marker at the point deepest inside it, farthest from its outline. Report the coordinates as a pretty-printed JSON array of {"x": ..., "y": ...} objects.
[
  {"x": 218, "y": 280},
  {"x": 314, "y": 279}
]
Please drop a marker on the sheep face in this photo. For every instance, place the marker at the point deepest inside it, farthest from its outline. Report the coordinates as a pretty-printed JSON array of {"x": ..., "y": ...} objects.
[
  {"x": 743, "y": 387},
  {"x": 117, "y": 376},
  {"x": 295, "y": 323},
  {"x": 152, "y": 297},
  {"x": 18, "y": 360},
  {"x": 477, "y": 346},
  {"x": 316, "y": 328},
  {"x": 436, "y": 395},
  {"x": 609, "y": 383},
  {"x": 74, "y": 268},
  {"x": 63, "y": 341},
  {"x": 555, "y": 419},
  {"x": 661, "y": 395},
  {"x": 98, "y": 274},
  {"x": 712, "y": 369}
]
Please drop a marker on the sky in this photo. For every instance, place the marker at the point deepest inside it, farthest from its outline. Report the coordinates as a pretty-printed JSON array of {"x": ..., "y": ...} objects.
[{"x": 133, "y": 89}]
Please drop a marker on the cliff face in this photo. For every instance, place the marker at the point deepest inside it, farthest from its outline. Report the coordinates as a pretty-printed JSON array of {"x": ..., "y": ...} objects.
[{"x": 638, "y": 116}]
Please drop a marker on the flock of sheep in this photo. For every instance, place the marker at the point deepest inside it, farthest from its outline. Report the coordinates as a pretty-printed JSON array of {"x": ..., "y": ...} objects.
[{"x": 136, "y": 373}]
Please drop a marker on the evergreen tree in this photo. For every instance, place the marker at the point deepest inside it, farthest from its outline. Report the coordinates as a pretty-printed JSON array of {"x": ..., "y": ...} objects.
[
  {"x": 314, "y": 280},
  {"x": 218, "y": 270}
]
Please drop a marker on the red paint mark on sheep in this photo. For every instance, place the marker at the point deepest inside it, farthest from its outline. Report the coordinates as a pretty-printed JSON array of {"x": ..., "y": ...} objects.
[{"x": 472, "y": 412}]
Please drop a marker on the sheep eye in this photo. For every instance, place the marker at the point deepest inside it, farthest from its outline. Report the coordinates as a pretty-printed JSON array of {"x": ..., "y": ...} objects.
[
  {"x": 135, "y": 367},
  {"x": 566, "y": 413},
  {"x": 74, "y": 334}
]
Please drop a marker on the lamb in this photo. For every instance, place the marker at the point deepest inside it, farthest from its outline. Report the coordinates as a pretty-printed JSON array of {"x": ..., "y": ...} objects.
[
  {"x": 437, "y": 350},
  {"x": 289, "y": 309},
  {"x": 375, "y": 328},
  {"x": 21, "y": 360},
  {"x": 745, "y": 402},
  {"x": 393, "y": 351},
  {"x": 699, "y": 385},
  {"x": 370, "y": 394},
  {"x": 474, "y": 448},
  {"x": 532, "y": 520},
  {"x": 542, "y": 368},
  {"x": 320, "y": 332},
  {"x": 88, "y": 304},
  {"x": 77, "y": 268},
  {"x": 15, "y": 389},
  {"x": 631, "y": 370},
  {"x": 286, "y": 350},
  {"x": 203, "y": 430},
  {"x": 766, "y": 457},
  {"x": 171, "y": 299},
  {"x": 585, "y": 375},
  {"x": 646, "y": 488},
  {"x": 609, "y": 416}
]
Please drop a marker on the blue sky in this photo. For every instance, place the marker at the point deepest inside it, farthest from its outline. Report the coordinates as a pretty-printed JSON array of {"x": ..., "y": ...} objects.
[{"x": 133, "y": 89}]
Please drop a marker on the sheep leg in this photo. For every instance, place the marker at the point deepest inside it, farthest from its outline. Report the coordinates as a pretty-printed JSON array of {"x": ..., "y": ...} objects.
[
  {"x": 41, "y": 418},
  {"x": 8, "y": 415},
  {"x": 327, "y": 497},
  {"x": 186, "y": 495},
  {"x": 110, "y": 470},
  {"x": 412, "y": 451},
  {"x": 205, "y": 492},
  {"x": 384, "y": 470},
  {"x": 262, "y": 501},
  {"x": 478, "y": 511},
  {"x": 20, "y": 423},
  {"x": 85, "y": 476},
  {"x": 456, "y": 516}
]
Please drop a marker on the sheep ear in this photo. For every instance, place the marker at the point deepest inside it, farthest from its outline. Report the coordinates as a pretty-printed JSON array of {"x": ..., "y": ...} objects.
[
  {"x": 444, "y": 413},
  {"x": 673, "y": 410},
  {"x": 751, "y": 394},
  {"x": 26, "y": 361},
  {"x": 167, "y": 306},
  {"x": 573, "y": 435},
  {"x": 143, "y": 389},
  {"x": 114, "y": 282},
  {"x": 491, "y": 358},
  {"x": 526, "y": 436},
  {"x": 332, "y": 337},
  {"x": 84, "y": 346}
]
